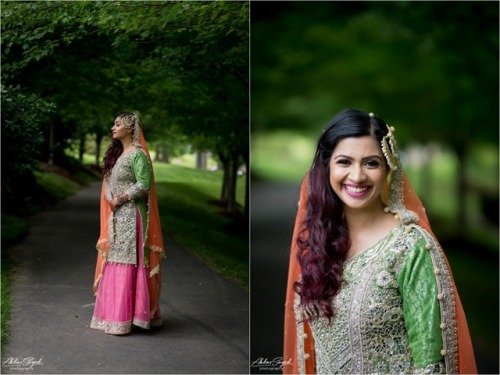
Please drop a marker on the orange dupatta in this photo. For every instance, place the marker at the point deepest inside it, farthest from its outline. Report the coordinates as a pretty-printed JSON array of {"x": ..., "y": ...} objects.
[{"x": 292, "y": 345}]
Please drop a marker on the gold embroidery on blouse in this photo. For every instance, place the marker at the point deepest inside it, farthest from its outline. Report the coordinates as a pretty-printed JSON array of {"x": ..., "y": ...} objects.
[
  {"x": 368, "y": 333},
  {"x": 300, "y": 335},
  {"x": 122, "y": 224},
  {"x": 446, "y": 303}
]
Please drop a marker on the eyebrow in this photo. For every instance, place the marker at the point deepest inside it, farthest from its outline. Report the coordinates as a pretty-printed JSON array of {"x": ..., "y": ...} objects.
[{"x": 365, "y": 158}]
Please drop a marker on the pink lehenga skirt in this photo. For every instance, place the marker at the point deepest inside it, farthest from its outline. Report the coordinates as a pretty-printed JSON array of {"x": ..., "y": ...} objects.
[{"x": 123, "y": 296}]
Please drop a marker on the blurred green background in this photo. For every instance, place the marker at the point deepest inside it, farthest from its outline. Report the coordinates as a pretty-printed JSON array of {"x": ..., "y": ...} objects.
[{"x": 430, "y": 69}]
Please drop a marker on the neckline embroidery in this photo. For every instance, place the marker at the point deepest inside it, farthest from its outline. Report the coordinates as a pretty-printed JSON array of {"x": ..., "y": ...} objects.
[{"x": 370, "y": 249}]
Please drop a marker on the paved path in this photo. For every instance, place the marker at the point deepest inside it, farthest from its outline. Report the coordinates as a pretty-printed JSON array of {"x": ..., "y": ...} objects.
[
  {"x": 273, "y": 212},
  {"x": 206, "y": 325}
]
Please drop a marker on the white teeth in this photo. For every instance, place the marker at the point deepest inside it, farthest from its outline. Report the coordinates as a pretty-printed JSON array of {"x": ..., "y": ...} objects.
[{"x": 356, "y": 189}]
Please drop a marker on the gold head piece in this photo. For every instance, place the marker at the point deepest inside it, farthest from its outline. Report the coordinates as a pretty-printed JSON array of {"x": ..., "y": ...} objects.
[
  {"x": 128, "y": 121},
  {"x": 132, "y": 121},
  {"x": 390, "y": 149}
]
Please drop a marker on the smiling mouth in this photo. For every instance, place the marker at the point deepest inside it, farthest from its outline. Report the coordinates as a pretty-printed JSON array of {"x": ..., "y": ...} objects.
[{"x": 356, "y": 189}]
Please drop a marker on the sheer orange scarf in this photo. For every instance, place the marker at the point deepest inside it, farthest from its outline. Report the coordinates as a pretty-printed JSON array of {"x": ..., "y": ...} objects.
[
  {"x": 465, "y": 352},
  {"x": 153, "y": 240}
]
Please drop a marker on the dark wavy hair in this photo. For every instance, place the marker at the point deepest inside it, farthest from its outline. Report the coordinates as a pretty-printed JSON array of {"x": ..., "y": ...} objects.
[
  {"x": 114, "y": 151},
  {"x": 324, "y": 237}
]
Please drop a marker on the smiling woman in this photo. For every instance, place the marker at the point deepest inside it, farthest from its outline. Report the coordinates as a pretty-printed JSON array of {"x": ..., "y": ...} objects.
[
  {"x": 369, "y": 287},
  {"x": 358, "y": 172}
]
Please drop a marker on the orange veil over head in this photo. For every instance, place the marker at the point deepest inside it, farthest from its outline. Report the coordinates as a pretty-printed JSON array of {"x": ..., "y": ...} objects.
[
  {"x": 298, "y": 356},
  {"x": 153, "y": 239}
]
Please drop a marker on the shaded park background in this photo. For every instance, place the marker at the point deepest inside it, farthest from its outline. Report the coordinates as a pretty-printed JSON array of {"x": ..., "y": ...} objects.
[
  {"x": 68, "y": 68},
  {"x": 430, "y": 69}
]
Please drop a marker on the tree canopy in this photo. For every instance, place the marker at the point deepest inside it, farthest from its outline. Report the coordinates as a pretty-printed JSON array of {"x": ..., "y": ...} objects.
[
  {"x": 430, "y": 66},
  {"x": 430, "y": 69},
  {"x": 182, "y": 66}
]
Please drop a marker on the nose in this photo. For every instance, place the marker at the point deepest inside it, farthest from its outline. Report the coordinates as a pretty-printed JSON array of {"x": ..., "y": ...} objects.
[{"x": 357, "y": 174}]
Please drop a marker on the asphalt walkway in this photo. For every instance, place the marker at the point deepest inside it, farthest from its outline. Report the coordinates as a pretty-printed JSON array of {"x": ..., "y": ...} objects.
[
  {"x": 274, "y": 207},
  {"x": 206, "y": 318}
]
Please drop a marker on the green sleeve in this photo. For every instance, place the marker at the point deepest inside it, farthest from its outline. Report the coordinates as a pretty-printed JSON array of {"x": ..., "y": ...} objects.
[
  {"x": 142, "y": 172},
  {"x": 418, "y": 287}
]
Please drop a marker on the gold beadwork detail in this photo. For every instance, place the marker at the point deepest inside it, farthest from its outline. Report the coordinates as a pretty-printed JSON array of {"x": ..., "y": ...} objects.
[
  {"x": 440, "y": 296},
  {"x": 442, "y": 326},
  {"x": 333, "y": 339},
  {"x": 428, "y": 246},
  {"x": 389, "y": 149},
  {"x": 443, "y": 352},
  {"x": 436, "y": 271}
]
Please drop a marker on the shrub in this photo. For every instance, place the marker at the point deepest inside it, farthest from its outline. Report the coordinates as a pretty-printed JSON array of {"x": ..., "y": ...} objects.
[{"x": 23, "y": 115}]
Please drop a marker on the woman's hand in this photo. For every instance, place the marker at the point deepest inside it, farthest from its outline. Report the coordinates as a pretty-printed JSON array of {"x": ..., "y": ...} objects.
[
  {"x": 118, "y": 200},
  {"x": 113, "y": 204}
]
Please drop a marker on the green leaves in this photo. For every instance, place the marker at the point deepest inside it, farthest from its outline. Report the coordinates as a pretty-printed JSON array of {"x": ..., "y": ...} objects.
[
  {"x": 182, "y": 65},
  {"x": 23, "y": 116},
  {"x": 417, "y": 64}
]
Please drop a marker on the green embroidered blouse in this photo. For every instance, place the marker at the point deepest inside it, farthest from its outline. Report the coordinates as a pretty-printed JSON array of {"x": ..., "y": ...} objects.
[
  {"x": 130, "y": 175},
  {"x": 388, "y": 317}
]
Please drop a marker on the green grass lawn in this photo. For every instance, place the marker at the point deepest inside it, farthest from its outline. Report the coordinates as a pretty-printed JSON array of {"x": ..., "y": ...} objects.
[
  {"x": 55, "y": 185},
  {"x": 13, "y": 229},
  {"x": 186, "y": 199},
  {"x": 5, "y": 298},
  {"x": 281, "y": 156}
]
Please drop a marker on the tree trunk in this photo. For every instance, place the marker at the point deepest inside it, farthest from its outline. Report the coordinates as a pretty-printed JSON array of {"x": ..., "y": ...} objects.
[
  {"x": 462, "y": 192},
  {"x": 166, "y": 155},
  {"x": 224, "y": 166},
  {"x": 157, "y": 152},
  {"x": 427, "y": 185},
  {"x": 51, "y": 144},
  {"x": 201, "y": 160},
  {"x": 98, "y": 141},
  {"x": 229, "y": 179},
  {"x": 81, "y": 149},
  {"x": 231, "y": 189},
  {"x": 161, "y": 153},
  {"x": 247, "y": 187}
]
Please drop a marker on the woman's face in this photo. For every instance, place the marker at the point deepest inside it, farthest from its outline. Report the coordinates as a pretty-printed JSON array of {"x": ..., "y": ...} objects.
[
  {"x": 358, "y": 172},
  {"x": 119, "y": 131}
]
